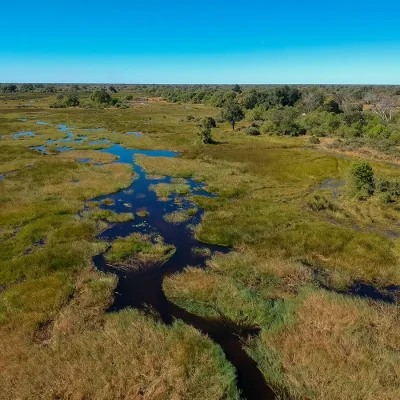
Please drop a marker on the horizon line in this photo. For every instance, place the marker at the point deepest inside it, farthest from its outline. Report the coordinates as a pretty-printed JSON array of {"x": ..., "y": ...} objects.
[{"x": 197, "y": 83}]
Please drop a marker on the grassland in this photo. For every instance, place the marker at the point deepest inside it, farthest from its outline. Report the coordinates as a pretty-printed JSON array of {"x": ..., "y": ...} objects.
[{"x": 273, "y": 209}]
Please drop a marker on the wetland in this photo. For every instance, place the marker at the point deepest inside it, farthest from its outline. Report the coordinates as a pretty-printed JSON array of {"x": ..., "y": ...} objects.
[{"x": 135, "y": 255}]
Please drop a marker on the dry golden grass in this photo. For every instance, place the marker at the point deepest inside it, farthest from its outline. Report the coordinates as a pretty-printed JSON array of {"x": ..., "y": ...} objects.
[
  {"x": 272, "y": 277},
  {"x": 332, "y": 347},
  {"x": 131, "y": 357},
  {"x": 93, "y": 295}
]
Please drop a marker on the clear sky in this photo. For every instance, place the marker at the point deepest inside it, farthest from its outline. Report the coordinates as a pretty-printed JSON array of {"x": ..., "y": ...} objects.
[{"x": 230, "y": 41}]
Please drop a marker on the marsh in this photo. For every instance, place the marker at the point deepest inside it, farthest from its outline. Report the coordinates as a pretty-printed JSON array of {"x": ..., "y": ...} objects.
[{"x": 238, "y": 256}]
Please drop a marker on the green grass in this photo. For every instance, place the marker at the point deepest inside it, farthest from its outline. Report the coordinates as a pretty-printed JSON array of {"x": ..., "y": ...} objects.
[
  {"x": 180, "y": 216},
  {"x": 137, "y": 250},
  {"x": 142, "y": 214},
  {"x": 108, "y": 215},
  {"x": 237, "y": 286},
  {"x": 164, "y": 190}
]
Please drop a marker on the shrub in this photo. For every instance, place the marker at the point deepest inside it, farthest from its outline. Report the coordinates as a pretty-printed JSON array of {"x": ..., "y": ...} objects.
[
  {"x": 205, "y": 135},
  {"x": 285, "y": 123},
  {"x": 390, "y": 187},
  {"x": 395, "y": 136},
  {"x": 257, "y": 113},
  {"x": 378, "y": 131},
  {"x": 72, "y": 99},
  {"x": 101, "y": 97},
  {"x": 267, "y": 127},
  {"x": 253, "y": 131},
  {"x": 362, "y": 181},
  {"x": 209, "y": 122}
]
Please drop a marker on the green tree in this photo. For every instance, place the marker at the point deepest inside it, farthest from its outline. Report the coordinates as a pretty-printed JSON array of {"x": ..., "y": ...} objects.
[
  {"x": 250, "y": 99},
  {"x": 232, "y": 112},
  {"x": 312, "y": 101},
  {"x": 27, "y": 87},
  {"x": 101, "y": 96},
  {"x": 9, "y": 88},
  {"x": 257, "y": 113},
  {"x": 237, "y": 89},
  {"x": 330, "y": 105},
  {"x": 284, "y": 121},
  {"x": 72, "y": 99},
  {"x": 287, "y": 96}
]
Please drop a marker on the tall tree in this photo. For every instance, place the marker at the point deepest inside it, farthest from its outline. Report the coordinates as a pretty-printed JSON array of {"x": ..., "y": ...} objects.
[
  {"x": 384, "y": 106},
  {"x": 237, "y": 89},
  {"x": 232, "y": 112},
  {"x": 331, "y": 106}
]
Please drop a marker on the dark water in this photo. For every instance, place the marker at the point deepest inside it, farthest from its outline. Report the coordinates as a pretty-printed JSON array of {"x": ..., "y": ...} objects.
[
  {"x": 331, "y": 184},
  {"x": 387, "y": 294},
  {"x": 144, "y": 289}
]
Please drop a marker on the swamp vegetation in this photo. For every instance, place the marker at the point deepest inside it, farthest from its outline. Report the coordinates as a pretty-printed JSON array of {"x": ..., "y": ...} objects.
[{"x": 167, "y": 274}]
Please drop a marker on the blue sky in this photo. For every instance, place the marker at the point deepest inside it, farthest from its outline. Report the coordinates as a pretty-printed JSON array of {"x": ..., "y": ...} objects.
[{"x": 216, "y": 41}]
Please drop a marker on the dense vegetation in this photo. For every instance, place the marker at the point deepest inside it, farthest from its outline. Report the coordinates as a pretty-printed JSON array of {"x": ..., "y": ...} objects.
[
  {"x": 348, "y": 113},
  {"x": 307, "y": 220}
]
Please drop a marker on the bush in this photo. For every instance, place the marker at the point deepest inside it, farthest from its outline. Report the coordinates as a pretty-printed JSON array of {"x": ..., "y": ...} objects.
[
  {"x": 284, "y": 121},
  {"x": 253, "y": 131},
  {"x": 391, "y": 187},
  {"x": 101, "y": 97},
  {"x": 72, "y": 99},
  {"x": 395, "y": 136},
  {"x": 376, "y": 131},
  {"x": 267, "y": 128},
  {"x": 209, "y": 122},
  {"x": 257, "y": 113},
  {"x": 362, "y": 181},
  {"x": 204, "y": 135},
  {"x": 204, "y": 132}
]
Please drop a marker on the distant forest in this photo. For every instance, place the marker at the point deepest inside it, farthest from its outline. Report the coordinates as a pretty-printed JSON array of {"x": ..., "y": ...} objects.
[{"x": 353, "y": 114}]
